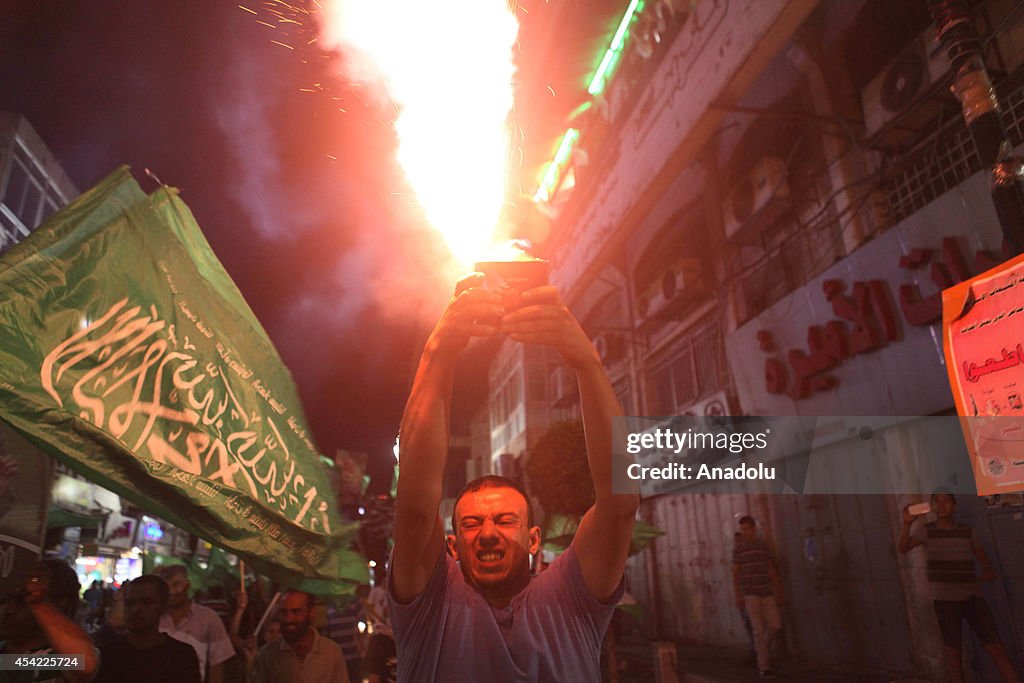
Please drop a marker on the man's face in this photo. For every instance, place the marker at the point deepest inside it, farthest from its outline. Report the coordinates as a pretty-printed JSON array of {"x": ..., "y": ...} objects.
[
  {"x": 16, "y": 620},
  {"x": 748, "y": 532},
  {"x": 179, "y": 589},
  {"x": 271, "y": 630},
  {"x": 295, "y": 615},
  {"x": 492, "y": 540},
  {"x": 943, "y": 504},
  {"x": 142, "y": 608}
]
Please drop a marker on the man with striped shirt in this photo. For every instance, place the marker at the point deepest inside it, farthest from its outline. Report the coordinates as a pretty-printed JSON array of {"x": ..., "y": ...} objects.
[
  {"x": 343, "y": 628},
  {"x": 755, "y": 579},
  {"x": 951, "y": 549}
]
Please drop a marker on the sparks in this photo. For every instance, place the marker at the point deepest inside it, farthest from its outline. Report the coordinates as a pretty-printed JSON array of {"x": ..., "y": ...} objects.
[
  {"x": 282, "y": 44},
  {"x": 250, "y": 11},
  {"x": 452, "y": 90}
]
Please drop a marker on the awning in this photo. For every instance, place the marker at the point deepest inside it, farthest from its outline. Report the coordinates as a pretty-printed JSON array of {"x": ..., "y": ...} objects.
[{"x": 57, "y": 517}]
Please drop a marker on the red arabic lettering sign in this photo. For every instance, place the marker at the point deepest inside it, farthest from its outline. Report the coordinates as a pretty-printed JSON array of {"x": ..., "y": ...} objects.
[{"x": 866, "y": 321}]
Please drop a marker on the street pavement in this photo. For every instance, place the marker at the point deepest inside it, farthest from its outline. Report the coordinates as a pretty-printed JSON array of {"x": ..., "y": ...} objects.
[{"x": 699, "y": 663}]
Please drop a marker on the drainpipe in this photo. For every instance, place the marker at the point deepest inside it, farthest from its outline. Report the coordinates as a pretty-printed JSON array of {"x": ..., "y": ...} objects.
[{"x": 955, "y": 30}]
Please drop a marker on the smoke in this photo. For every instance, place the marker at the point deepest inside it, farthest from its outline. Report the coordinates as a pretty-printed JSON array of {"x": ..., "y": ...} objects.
[
  {"x": 388, "y": 263},
  {"x": 450, "y": 74},
  {"x": 259, "y": 183}
]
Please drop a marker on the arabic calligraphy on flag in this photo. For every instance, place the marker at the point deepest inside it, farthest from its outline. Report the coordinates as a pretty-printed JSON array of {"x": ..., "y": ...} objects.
[{"x": 127, "y": 352}]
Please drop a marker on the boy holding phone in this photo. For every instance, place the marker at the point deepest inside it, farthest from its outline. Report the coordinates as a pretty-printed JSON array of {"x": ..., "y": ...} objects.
[{"x": 952, "y": 548}]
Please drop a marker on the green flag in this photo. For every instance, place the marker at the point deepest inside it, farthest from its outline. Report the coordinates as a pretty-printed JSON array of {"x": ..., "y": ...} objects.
[{"x": 127, "y": 352}]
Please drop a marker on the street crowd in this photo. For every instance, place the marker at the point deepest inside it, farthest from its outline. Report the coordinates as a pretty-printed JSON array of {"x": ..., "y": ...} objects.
[
  {"x": 458, "y": 606},
  {"x": 154, "y": 628}
]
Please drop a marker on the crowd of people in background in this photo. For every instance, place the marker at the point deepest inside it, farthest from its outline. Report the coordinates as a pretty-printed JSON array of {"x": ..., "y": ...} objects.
[{"x": 155, "y": 628}]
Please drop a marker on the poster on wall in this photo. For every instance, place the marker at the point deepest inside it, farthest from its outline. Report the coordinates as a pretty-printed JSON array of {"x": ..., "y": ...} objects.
[
  {"x": 26, "y": 475},
  {"x": 983, "y": 340}
]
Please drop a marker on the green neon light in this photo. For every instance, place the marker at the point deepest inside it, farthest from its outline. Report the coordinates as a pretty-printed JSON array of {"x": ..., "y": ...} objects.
[
  {"x": 597, "y": 83},
  {"x": 565, "y": 149},
  {"x": 554, "y": 170},
  {"x": 620, "y": 35}
]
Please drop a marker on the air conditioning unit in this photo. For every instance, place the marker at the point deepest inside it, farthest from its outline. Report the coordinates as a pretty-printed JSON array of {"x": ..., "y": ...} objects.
[
  {"x": 760, "y": 192},
  {"x": 564, "y": 389},
  {"x": 611, "y": 347},
  {"x": 680, "y": 286},
  {"x": 903, "y": 82},
  {"x": 716, "y": 405}
]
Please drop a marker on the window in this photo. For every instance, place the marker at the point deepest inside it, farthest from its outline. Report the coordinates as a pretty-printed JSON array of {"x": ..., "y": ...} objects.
[
  {"x": 29, "y": 194},
  {"x": 8, "y": 232},
  {"x": 694, "y": 368}
]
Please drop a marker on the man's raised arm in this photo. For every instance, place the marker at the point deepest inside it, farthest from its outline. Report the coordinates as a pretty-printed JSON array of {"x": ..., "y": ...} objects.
[
  {"x": 423, "y": 439},
  {"x": 602, "y": 540}
]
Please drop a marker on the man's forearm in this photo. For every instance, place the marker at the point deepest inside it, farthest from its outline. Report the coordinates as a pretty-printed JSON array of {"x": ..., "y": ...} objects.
[
  {"x": 600, "y": 407},
  {"x": 66, "y": 637},
  {"x": 423, "y": 440},
  {"x": 904, "y": 542}
]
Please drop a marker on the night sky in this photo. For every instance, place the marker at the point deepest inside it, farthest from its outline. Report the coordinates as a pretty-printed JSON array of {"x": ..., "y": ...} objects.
[{"x": 303, "y": 203}]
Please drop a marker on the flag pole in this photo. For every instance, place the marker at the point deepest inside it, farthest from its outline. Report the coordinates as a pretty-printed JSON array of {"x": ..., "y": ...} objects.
[{"x": 266, "y": 613}]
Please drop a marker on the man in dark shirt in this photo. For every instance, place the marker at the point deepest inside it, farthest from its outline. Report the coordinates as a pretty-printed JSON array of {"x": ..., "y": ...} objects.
[
  {"x": 757, "y": 586},
  {"x": 144, "y": 654}
]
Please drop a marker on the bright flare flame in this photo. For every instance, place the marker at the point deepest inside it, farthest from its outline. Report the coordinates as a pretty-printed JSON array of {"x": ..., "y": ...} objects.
[{"x": 448, "y": 67}]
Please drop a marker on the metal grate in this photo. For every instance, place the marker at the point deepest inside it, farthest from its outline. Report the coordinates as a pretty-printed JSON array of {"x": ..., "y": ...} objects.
[
  {"x": 945, "y": 159},
  {"x": 695, "y": 367}
]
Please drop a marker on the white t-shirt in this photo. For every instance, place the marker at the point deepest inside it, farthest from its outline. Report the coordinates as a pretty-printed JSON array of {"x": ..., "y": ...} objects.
[{"x": 204, "y": 631}]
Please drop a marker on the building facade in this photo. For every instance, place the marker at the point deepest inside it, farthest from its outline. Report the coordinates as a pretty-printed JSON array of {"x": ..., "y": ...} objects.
[
  {"x": 33, "y": 186},
  {"x": 753, "y": 177}
]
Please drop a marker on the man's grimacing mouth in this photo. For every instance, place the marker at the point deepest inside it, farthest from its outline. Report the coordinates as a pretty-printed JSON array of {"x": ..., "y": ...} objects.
[{"x": 489, "y": 555}]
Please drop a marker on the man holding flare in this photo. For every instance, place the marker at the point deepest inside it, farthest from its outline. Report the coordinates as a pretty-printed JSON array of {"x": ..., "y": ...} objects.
[{"x": 475, "y": 612}]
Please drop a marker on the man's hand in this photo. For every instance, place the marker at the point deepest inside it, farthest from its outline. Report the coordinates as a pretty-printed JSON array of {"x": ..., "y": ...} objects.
[
  {"x": 472, "y": 312},
  {"x": 249, "y": 651},
  {"x": 908, "y": 518},
  {"x": 544, "y": 319}
]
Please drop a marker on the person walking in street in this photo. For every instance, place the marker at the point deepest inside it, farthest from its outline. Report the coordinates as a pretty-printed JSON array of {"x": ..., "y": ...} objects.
[
  {"x": 758, "y": 590},
  {"x": 144, "y": 654},
  {"x": 301, "y": 654},
  {"x": 343, "y": 627},
  {"x": 951, "y": 550},
  {"x": 196, "y": 625}
]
